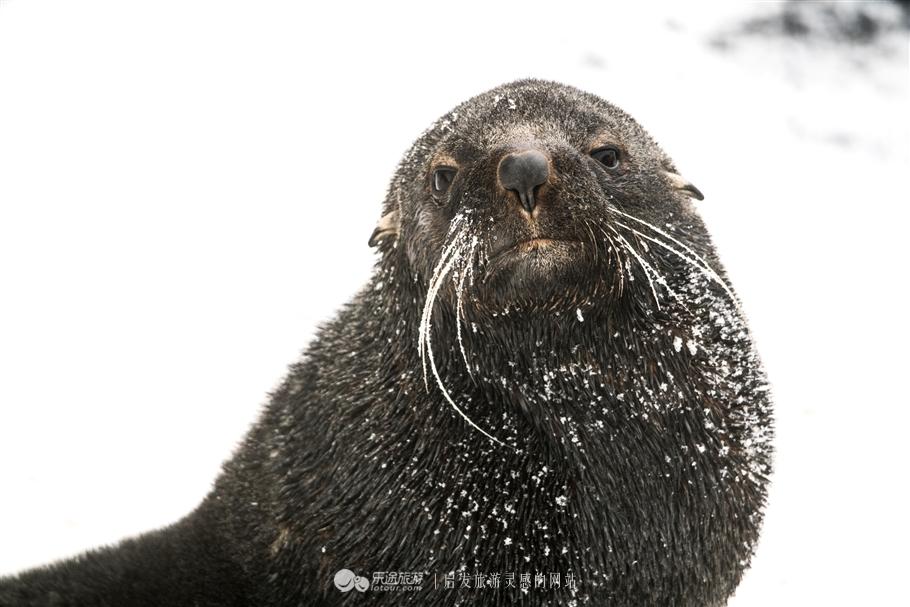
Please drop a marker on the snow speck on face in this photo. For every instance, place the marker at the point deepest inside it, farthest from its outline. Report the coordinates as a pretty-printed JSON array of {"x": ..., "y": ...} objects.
[
  {"x": 578, "y": 315},
  {"x": 562, "y": 500},
  {"x": 507, "y": 541},
  {"x": 677, "y": 344}
]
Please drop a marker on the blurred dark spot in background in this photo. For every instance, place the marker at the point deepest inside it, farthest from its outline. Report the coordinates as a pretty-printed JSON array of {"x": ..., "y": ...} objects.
[{"x": 825, "y": 22}]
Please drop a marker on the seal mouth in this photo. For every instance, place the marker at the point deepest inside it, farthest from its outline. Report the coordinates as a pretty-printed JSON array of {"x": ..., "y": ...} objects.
[{"x": 530, "y": 245}]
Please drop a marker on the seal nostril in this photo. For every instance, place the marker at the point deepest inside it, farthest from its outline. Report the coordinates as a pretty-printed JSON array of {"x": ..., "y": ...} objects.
[{"x": 524, "y": 173}]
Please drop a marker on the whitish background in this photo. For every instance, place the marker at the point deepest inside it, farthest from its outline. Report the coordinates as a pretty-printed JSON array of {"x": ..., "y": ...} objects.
[{"x": 186, "y": 190}]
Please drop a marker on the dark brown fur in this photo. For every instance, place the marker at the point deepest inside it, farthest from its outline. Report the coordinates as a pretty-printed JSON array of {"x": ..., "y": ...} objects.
[{"x": 636, "y": 422}]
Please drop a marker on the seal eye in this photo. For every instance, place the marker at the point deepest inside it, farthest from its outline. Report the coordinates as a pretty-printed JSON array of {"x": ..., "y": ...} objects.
[
  {"x": 442, "y": 180},
  {"x": 607, "y": 156}
]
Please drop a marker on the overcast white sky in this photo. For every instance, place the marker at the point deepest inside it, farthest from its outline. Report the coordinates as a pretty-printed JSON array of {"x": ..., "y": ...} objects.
[{"x": 186, "y": 190}]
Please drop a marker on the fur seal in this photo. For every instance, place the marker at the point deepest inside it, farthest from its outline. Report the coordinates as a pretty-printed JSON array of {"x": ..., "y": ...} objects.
[{"x": 547, "y": 378}]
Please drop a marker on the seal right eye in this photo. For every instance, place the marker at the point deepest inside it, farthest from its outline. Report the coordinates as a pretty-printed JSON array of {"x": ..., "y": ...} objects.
[
  {"x": 442, "y": 180},
  {"x": 607, "y": 156}
]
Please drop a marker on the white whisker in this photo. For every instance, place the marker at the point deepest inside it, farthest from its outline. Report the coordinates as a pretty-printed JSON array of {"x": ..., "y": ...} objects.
[
  {"x": 450, "y": 256},
  {"x": 644, "y": 266},
  {"x": 443, "y": 267},
  {"x": 459, "y": 307},
  {"x": 702, "y": 267},
  {"x": 659, "y": 278},
  {"x": 449, "y": 250},
  {"x": 615, "y": 249},
  {"x": 445, "y": 394},
  {"x": 698, "y": 260}
]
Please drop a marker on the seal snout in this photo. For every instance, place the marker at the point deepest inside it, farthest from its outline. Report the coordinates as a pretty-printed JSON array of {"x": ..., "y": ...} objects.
[{"x": 523, "y": 173}]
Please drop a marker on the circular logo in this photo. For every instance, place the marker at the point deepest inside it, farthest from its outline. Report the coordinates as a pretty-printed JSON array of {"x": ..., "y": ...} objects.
[{"x": 346, "y": 579}]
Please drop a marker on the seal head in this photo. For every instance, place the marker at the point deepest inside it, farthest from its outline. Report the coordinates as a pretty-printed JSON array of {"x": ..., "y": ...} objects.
[{"x": 523, "y": 183}]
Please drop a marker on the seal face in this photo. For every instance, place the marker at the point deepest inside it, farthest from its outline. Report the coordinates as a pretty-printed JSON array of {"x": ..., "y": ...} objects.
[{"x": 526, "y": 183}]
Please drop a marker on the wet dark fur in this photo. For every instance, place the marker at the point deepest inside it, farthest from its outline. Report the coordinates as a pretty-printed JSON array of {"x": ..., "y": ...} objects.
[{"x": 639, "y": 435}]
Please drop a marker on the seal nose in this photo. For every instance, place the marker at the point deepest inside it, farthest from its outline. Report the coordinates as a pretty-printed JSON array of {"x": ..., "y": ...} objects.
[{"x": 523, "y": 173}]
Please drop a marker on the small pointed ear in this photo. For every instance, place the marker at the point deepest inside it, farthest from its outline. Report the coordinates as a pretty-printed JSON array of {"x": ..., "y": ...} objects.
[
  {"x": 684, "y": 186},
  {"x": 387, "y": 227}
]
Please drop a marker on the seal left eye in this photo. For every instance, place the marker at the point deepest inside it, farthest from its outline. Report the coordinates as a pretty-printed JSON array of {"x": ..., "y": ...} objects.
[{"x": 442, "y": 179}]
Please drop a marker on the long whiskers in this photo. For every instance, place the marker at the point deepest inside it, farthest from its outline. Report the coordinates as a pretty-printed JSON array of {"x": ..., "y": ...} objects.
[
  {"x": 693, "y": 259},
  {"x": 616, "y": 250},
  {"x": 613, "y": 251},
  {"x": 459, "y": 305},
  {"x": 457, "y": 249},
  {"x": 645, "y": 266},
  {"x": 443, "y": 267}
]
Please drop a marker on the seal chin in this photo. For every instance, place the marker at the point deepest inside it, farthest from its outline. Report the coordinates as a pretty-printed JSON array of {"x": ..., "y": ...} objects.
[{"x": 534, "y": 269}]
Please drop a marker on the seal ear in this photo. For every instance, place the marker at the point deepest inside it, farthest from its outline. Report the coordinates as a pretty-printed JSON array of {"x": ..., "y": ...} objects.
[
  {"x": 683, "y": 185},
  {"x": 387, "y": 226}
]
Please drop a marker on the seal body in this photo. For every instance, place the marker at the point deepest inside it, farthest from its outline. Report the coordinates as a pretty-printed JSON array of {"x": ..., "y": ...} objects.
[{"x": 548, "y": 377}]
